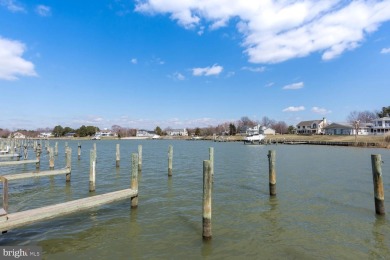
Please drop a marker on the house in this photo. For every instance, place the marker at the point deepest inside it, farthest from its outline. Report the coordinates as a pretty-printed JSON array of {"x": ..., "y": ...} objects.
[
  {"x": 268, "y": 131},
  {"x": 254, "y": 130},
  {"x": 347, "y": 129},
  {"x": 106, "y": 133},
  {"x": 17, "y": 135},
  {"x": 144, "y": 133},
  {"x": 380, "y": 126},
  {"x": 45, "y": 135},
  {"x": 177, "y": 132},
  {"x": 311, "y": 127}
]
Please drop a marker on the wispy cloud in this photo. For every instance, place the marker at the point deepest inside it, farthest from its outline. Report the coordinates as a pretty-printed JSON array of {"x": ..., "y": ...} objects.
[
  {"x": 207, "y": 71},
  {"x": 275, "y": 31},
  {"x": 12, "y": 63},
  {"x": 294, "y": 109},
  {"x": 270, "y": 84},
  {"x": 254, "y": 69},
  {"x": 177, "y": 76},
  {"x": 294, "y": 86},
  {"x": 13, "y": 6},
  {"x": 321, "y": 111},
  {"x": 134, "y": 61},
  {"x": 43, "y": 10},
  {"x": 385, "y": 50}
]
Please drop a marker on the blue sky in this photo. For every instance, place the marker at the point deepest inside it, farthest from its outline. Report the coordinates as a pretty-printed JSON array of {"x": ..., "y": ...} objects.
[{"x": 179, "y": 63}]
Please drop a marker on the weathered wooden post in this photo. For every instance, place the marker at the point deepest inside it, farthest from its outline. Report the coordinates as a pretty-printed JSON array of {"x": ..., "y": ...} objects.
[
  {"x": 379, "y": 193},
  {"x": 94, "y": 148},
  {"x": 170, "y": 158},
  {"x": 118, "y": 156},
  {"x": 56, "y": 149},
  {"x": 25, "y": 152},
  {"x": 68, "y": 163},
  {"x": 272, "y": 172},
  {"x": 79, "y": 151},
  {"x": 51, "y": 160},
  {"x": 139, "y": 158},
  {"x": 92, "y": 171},
  {"x": 207, "y": 193},
  {"x": 66, "y": 147},
  {"x": 134, "y": 178},
  {"x": 38, "y": 164},
  {"x": 211, "y": 158},
  {"x": 5, "y": 193}
]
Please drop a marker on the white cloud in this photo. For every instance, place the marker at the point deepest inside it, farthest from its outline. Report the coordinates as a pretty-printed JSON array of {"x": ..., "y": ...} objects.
[
  {"x": 385, "y": 50},
  {"x": 321, "y": 111},
  {"x": 12, "y": 6},
  {"x": 207, "y": 71},
  {"x": 12, "y": 64},
  {"x": 43, "y": 10},
  {"x": 294, "y": 109},
  {"x": 134, "y": 61},
  {"x": 297, "y": 85},
  {"x": 275, "y": 31},
  {"x": 254, "y": 69},
  {"x": 270, "y": 84},
  {"x": 178, "y": 76}
]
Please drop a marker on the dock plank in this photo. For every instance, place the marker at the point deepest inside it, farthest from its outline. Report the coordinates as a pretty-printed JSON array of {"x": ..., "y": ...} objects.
[
  {"x": 28, "y": 217},
  {"x": 36, "y": 174},
  {"x": 8, "y": 163}
]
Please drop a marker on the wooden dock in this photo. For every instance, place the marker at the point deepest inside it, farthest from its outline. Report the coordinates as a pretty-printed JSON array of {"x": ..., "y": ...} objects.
[
  {"x": 27, "y": 217},
  {"x": 9, "y": 163},
  {"x": 27, "y": 175}
]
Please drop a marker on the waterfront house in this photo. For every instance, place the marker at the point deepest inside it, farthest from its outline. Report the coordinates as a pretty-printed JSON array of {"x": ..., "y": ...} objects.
[
  {"x": 177, "y": 132},
  {"x": 45, "y": 135},
  {"x": 311, "y": 127},
  {"x": 347, "y": 129},
  {"x": 258, "y": 129},
  {"x": 144, "y": 133},
  {"x": 17, "y": 135},
  {"x": 380, "y": 126},
  {"x": 106, "y": 133}
]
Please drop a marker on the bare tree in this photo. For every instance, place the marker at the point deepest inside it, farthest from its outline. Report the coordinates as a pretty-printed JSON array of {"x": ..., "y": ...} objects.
[
  {"x": 267, "y": 122},
  {"x": 361, "y": 116}
]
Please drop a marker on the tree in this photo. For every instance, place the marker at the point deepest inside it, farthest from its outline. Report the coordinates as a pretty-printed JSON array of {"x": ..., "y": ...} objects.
[
  {"x": 361, "y": 116},
  {"x": 280, "y": 127},
  {"x": 158, "y": 130},
  {"x": 232, "y": 129},
  {"x": 385, "y": 112},
  {"x": 82, "y": 131},
  {"x": 197, "y": 131},
  {"x": 267, "y": 122},
  {"x": 291, "y": 129},
  {"x": 58, "y": 131}
]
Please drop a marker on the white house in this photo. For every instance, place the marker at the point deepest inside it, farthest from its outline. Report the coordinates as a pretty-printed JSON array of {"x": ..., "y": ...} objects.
[
  {"x": 381, "y": 126},
  {"x": 268, "y": 131},
  {"x": 254, "y": 130},
  {"x": 311, "y": 127},
  {"x": 144, "y": 133},
  {"x": 105, "y": 133},
  {"x": 347, "y": 129},
  {"x": 45, "y": 135},
  {"x": 177, "y": 132},
  {"x": 17, "y": 135}
]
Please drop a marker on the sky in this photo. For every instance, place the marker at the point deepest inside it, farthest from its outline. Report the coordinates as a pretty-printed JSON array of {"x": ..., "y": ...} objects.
[{"x": 190, "y": 63}]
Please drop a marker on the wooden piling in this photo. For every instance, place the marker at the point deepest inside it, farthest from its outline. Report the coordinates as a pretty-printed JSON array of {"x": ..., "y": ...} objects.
[
  {"x": 92, "y": 172},
  {"x": 134, "y": 179},
  {"x": 79, "y": 151},
  {"x": 170, "y": 159},
  {"x": 139, "y": 158},
  {"x": 118, "y": 156},
  {"x": 94, "y": 148},
  {"x": 56, "y": 149},
  {"x": 68, "y": 163},
  {"x": 211, "y": 158},
  {"x": 25, "y": 152},
  {"x": 379, "y": 193},
  {"x": 5, "y": 193},
  {"x": 272, "y": 172},
  {"x": 51, "y": 160},
  {"x": 207, "y": 193},
  {"x": 38, "y": 163}
]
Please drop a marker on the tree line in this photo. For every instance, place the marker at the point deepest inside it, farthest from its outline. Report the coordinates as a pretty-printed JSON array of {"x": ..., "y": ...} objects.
[{"x": 227, "y": 128}]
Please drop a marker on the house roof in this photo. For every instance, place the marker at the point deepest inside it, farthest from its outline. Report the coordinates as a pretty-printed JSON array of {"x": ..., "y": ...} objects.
[
  {"x": 310, "y": 122},
  {"x": 339, "y": 125}
]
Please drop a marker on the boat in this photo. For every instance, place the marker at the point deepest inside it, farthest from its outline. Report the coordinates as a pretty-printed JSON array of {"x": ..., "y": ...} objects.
[
  {"x": 96, "y": 137},
  {"x": 254, "y": 138}
]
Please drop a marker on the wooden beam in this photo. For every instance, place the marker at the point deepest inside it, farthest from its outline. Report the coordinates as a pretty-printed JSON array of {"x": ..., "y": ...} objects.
[
  {"x": 36, "y": 174},
  {"x": 28, "y": 217},
  {"x": 8, "y": 163},
  {"x": 9, "y": 155}
]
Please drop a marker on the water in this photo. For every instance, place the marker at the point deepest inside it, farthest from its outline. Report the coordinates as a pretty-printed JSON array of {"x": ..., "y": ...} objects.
[{"x": 324, "y": 208}]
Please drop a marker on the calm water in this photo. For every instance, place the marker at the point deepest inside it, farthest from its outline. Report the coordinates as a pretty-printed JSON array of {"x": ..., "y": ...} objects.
[{"x": 324, "y": 207}]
